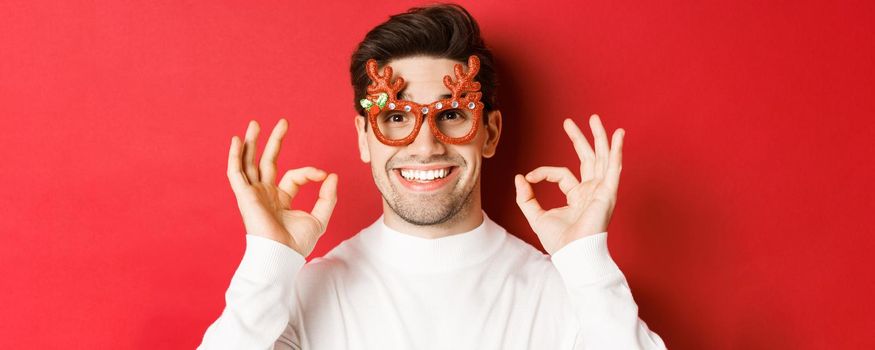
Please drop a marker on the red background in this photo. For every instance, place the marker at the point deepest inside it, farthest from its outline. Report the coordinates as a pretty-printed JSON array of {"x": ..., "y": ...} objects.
[{"x": 744, "y": 212}]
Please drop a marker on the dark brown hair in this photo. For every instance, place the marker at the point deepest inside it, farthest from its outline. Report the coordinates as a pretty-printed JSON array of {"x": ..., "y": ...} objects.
[{"x": 442, "y": 31}]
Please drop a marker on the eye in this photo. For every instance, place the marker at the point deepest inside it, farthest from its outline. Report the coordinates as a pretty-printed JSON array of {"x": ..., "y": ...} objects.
[
  {"x": 395, "y": 118},
  {"x": 451, "y": 116}
]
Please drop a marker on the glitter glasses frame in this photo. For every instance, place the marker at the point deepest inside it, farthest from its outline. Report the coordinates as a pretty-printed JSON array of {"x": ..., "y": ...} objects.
[{"x": 382, "y": 96}]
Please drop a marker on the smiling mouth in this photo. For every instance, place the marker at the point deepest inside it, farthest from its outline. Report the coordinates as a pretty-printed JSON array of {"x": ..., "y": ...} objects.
[{"x": 425, "y": 176}]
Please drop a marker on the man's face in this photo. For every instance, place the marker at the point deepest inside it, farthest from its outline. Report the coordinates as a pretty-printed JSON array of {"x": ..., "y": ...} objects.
[{"x": 428, "y": 182}]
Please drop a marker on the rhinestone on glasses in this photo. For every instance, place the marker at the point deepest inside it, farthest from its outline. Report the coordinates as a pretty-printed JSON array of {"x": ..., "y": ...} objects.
[
  {"x": 471, "y": 105},
  {"x": 424, "y": 110},
  {"x": 439, "y": 105},
  {"x": 407, "y": 108},
  {"x": 455, "y": 104},
  {"x": 391, "y": 105}
]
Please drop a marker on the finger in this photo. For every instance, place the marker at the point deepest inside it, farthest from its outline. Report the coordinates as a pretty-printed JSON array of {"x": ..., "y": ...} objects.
[
  {"x": 581, "y": 146},
  {"x": 293, "y": 179},
  {"x": 235, "y": 171},
  {"x": 249, "y": 149},
  {"x": 600, "y": 138},
  {"x": 560, "y": 175},
  {"x": 327, "y": 199},
  {"x": 267, "y": 165},
  {"x": 616, "y": 162},
  {"x": 525, "y": 199}
]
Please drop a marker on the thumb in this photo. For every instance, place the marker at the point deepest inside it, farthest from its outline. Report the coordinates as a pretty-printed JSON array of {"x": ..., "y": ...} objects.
[
  {"x": 525, "y": 199},
  {"x": 327, "y": 199}
]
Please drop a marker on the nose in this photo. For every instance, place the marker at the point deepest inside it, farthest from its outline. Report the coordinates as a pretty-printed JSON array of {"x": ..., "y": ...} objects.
[{"x": 425, "y": 144}]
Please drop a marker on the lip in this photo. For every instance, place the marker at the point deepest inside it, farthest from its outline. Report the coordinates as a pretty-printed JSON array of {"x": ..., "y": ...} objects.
[
  {"x": 426, "y": 186},
  {"x": 425, "y": 167}
]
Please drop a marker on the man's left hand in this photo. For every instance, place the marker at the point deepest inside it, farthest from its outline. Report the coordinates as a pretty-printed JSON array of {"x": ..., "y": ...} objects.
[{"x": 590, "y": 200}]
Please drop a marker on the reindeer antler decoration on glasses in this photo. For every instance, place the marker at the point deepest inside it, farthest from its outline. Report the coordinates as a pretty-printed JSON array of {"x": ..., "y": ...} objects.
[{"x": 395, "y": 122}]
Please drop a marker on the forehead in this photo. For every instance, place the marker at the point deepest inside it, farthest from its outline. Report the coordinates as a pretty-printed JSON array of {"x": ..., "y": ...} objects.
[{"x": 424, "y": 77}]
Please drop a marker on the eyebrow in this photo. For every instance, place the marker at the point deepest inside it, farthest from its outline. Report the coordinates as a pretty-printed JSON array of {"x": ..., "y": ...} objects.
[{"x": 406, "y": 96}]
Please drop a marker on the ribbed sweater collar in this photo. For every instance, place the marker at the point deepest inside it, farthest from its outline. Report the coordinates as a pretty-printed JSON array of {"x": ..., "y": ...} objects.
[{"x": 428, "y": 255}]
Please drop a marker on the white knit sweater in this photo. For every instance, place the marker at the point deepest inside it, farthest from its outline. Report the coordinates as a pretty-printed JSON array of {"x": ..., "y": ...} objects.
[{"x": 382, "y": 289}]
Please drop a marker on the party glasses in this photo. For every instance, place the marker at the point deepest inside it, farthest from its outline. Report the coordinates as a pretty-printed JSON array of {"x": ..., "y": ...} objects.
[{"x": 453, "y": 120}]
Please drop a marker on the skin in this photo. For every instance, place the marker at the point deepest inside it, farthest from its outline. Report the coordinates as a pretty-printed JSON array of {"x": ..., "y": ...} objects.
[
  {"x": 453, "y": 208},
  {"x": 424, "y": 77}
]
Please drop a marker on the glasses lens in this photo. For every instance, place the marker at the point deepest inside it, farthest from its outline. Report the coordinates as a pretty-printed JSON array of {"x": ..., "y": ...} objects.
[
  {"x": 396, "y": 125},
  {"x": 455, "y": 122}
]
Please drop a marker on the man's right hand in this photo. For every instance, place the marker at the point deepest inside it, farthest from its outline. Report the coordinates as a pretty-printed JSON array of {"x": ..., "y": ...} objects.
[{"x": 265, "y": 206}]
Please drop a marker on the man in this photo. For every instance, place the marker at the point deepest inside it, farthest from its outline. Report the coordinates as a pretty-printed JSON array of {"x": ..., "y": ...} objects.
[{"x": 434, "y": 272}]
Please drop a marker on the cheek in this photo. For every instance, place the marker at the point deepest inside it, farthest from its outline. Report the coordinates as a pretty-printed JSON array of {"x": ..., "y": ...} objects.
[
  {"x": 472, "y": 155},
  {"x": 380, "y": 155},
  {"x": 378, "y": 163}
]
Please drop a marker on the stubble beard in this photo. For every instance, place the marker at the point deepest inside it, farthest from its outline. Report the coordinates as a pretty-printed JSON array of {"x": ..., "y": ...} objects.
[{"x": 442, "y": 208}]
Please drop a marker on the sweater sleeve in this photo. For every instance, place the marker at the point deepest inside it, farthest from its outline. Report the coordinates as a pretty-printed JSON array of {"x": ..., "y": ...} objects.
[
  {"x": 602, "y": 300},
  {"x": 259, "y": 298}
]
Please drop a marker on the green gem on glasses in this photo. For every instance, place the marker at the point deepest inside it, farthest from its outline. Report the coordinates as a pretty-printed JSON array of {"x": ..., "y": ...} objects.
[{"x": 382, "y": 98}]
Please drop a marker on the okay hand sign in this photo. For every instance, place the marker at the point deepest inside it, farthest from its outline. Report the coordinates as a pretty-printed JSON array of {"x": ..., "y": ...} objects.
[
  {"x": 265, "y": 206},
  {"x": 590, "y": 200}
]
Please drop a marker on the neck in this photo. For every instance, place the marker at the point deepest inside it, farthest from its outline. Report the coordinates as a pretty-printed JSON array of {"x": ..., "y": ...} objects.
[{"x": 467, "y": 219}]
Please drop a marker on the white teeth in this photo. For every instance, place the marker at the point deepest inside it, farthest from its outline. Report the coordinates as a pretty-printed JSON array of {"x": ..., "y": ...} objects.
[{"x": 424, "y": 175}]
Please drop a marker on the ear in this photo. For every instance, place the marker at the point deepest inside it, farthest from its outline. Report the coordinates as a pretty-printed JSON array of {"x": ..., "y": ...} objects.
[
  {"x": 360, "y": 124},
  {"x": 493, "y": 132}
]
